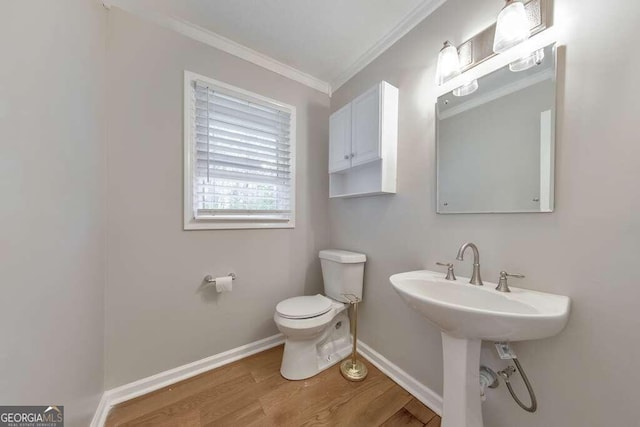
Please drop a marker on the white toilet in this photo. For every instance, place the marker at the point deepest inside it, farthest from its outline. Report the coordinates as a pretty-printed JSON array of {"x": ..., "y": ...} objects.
[{"x": 317, "y": 328}]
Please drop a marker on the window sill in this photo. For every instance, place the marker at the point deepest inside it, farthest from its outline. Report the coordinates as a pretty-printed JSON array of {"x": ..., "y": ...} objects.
[{"x": 237, "y": 224}]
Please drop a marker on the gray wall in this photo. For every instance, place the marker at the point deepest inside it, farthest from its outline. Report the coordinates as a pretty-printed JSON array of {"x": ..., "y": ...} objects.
[
  {"x": 52, "y": 235},
  {"x": 587, "y": 248},
  {"x": 157, "y": 315}
]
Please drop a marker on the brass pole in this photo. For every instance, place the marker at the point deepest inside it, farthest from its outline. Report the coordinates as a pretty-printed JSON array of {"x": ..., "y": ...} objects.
[
  {"x": 355, "y": 332},
  {"x": 354, "y": 369}
]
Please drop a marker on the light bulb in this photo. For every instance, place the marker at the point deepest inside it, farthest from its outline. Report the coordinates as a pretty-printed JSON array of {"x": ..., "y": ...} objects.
[
  {"x": 534, "y": 58},
  {"x": 448, "y": 64},
  {"x": 466, "y": 89},
  {"x": 512, "y": 27}
]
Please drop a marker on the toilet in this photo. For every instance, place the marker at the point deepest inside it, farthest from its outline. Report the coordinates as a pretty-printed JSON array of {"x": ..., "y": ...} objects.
[{"x": 316, "y": 327}]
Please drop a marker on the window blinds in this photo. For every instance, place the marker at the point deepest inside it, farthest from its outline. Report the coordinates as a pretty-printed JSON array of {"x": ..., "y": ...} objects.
[{"x": 242, "y": 166}]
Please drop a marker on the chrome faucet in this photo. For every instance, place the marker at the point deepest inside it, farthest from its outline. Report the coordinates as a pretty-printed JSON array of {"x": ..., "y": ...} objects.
[
  {"x": 451, "y": 275},
  {"x": 475, "y": 277},
  {"x": 503, "y": 286}
]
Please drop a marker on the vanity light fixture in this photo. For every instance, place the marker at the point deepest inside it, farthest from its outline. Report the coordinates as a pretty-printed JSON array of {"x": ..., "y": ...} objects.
[
  {"x": 466, "y": 89},
  {"x": 512, "y": 27},
  {"x": 518, "y": 20},
  {"x": 526, "y": 62},
  {"x": 449, "y": 67},
  {"x": 448, "y": 63}
]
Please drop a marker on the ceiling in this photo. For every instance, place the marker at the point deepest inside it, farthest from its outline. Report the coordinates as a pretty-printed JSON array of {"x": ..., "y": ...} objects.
[{"x": 325, "y": 39}]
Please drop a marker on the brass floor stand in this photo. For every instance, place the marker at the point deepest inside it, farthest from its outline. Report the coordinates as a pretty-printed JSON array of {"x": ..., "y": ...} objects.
[{"x": 352, "y": 368}]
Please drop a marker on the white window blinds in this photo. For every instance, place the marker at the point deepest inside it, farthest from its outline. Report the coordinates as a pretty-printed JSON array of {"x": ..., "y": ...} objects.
[{"x": 242, "y": 156}]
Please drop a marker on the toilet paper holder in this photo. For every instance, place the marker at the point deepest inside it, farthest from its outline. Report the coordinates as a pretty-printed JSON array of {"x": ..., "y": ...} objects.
[{"x": 212, "y": 280}]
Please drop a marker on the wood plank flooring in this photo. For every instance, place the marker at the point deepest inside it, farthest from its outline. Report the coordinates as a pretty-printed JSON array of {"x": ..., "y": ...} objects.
[{"x": 251, "y": 392}]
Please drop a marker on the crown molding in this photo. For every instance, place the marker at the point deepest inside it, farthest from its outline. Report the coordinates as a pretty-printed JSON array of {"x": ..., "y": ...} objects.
[
  {"x": 217, "y": 41},
  {"x": 188, "y": 29},
  {"x": 412, "y": 19}
]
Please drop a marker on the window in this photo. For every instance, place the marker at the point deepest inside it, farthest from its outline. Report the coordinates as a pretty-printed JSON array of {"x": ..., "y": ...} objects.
[{"x": 239, "y": 158}]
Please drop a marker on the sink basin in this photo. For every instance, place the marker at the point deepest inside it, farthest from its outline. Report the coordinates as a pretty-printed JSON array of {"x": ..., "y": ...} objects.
[
  {"x": 467, "y": 314},
  {"x": 467, "y": 311}
]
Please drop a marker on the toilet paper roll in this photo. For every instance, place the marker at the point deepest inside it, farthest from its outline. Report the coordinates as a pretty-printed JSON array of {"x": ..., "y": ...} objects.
[{"x": 224, "y": 284}]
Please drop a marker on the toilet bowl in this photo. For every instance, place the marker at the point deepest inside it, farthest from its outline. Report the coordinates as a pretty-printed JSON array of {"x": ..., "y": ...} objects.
[
  {"x": 313, "y": 343},
  {"x": 317, "y": 328}
]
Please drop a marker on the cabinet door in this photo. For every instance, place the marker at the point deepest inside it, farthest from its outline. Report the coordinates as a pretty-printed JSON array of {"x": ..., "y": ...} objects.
[
  {"x": 365, "y": 127},
  {"x": 340, "y": 139}
]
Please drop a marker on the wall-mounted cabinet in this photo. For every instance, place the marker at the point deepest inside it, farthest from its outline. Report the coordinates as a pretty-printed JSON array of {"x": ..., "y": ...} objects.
[{"x": 363, "y": 141}]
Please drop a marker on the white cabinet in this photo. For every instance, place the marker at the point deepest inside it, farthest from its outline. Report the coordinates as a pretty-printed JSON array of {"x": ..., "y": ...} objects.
[
  {"x": 365, "y": 130},
  {"x": 340, "y": 139},
  {"x": 363, "y": 140}
]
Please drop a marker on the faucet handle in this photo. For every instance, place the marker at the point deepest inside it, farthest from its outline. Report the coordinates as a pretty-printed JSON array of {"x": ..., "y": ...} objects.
[
  {"x": 450, "y": 274},
  {"x": 503, "y": 286},
  {"x": 444, "y": 264}
]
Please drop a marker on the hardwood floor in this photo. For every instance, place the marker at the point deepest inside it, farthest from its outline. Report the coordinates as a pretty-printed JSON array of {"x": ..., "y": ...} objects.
[{"x": 251, "y": 392}]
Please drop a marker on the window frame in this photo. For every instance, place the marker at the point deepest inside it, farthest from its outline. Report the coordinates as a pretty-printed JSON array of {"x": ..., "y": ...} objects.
[{"x": 231, "y": 221}]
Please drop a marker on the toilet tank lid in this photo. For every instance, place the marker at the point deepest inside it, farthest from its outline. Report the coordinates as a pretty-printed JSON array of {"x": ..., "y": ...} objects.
[{"x": 344, "y": 257}]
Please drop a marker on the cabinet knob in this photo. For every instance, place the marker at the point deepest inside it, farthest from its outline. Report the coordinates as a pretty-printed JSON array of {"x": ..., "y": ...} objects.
[
  {"x": 346, "y": 157},
  {"x": 352, "y": 155}
]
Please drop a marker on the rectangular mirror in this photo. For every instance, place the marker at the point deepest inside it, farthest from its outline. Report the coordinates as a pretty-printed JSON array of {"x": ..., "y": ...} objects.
[{"x": 495, "y": 146}]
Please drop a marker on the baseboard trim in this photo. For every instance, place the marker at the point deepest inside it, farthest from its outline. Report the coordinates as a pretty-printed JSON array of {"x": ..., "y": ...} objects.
[
  {"x": 102, "y": 411},
  {"x": 112, "y": 397},
  {"x": 420, "y": 391}
]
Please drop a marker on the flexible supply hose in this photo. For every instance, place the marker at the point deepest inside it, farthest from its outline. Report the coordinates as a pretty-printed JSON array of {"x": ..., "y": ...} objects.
[{"x": 534, "y": 404}]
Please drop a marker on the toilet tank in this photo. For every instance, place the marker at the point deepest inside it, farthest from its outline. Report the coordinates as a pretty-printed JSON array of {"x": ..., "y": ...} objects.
[{"x": 342, "y": 273}]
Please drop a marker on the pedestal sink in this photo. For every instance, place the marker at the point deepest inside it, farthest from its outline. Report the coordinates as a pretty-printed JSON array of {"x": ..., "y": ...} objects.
[{"x": 467, "y": 314}]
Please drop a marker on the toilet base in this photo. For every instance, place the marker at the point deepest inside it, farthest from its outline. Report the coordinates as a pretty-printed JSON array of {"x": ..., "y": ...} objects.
[{"x": 304, "y": 359}]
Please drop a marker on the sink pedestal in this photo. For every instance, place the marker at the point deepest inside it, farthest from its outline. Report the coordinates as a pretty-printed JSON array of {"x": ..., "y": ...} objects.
[{"x": 461, "y": 401}]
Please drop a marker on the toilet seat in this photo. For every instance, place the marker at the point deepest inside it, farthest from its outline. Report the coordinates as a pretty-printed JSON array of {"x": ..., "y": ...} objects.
[{"x": 304, "y": 307}]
